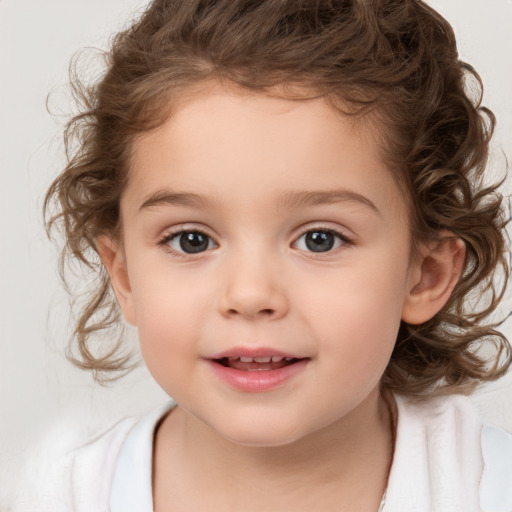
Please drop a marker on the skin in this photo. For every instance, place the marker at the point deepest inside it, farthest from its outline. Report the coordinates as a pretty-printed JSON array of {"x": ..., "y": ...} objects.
[{"x": 259, "y": 284}]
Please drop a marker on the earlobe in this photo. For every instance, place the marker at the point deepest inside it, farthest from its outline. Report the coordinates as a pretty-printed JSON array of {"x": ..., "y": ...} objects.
[
  {"x": 114, "y": 260},
  {"x": 433, "y": 278}
]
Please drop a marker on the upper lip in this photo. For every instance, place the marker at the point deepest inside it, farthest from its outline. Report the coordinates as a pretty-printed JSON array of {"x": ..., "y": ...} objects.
[{"x": 253, "y": 352}]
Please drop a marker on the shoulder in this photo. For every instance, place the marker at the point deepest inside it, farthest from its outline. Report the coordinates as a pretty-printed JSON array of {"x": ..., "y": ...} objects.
[
  {"x": 496, "y": 484},
  {"x": 73, "y": 475},
  {"x": 90, "y": 467},
  {"x": 446, "y": 458},
  {"x": 103, "y": 470}
]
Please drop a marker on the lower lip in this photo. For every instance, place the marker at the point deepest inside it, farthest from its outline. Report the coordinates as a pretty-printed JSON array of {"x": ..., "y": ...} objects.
[{"x": 257, "y": 380}]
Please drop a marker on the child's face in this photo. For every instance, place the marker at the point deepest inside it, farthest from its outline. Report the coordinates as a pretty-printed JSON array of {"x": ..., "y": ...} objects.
[{"x": 296, "y": 243}]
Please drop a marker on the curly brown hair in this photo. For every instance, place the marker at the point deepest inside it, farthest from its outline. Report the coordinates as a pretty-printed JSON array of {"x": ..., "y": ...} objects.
[{"x": 393, "y": 61}]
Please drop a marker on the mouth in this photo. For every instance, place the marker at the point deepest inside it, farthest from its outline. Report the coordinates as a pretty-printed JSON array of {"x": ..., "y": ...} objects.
[
  {"x": 257, "y": 364},
  {"x": 257, "y": 370}
]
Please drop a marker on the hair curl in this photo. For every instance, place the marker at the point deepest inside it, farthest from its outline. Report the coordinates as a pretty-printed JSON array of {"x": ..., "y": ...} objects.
[{"x": 395, "y": 60}]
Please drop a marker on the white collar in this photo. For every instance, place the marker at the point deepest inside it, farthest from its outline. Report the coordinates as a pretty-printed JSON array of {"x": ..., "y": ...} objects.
[
  {"x": 438, "y": 455},
  {"x": 131, "y": 489}
]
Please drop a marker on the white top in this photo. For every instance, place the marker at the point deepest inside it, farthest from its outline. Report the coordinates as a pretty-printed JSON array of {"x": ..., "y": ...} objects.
[
  {"x": 133, "y": 467},
  {"x": 445, "y": 460}
]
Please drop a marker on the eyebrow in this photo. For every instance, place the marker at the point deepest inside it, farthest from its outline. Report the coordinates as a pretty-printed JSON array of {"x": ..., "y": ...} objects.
[
  {"x": 289, "y": 199},
  {"x": 189, "y": 199},
  {"x": 294, "y": 199}
]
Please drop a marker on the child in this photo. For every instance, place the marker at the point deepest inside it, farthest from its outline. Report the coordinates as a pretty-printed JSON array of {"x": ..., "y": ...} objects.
[{"x": 288, "y": 201}]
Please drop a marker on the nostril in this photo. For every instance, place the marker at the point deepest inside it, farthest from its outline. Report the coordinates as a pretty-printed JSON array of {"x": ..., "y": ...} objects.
[{"x": 264, "y": 312}]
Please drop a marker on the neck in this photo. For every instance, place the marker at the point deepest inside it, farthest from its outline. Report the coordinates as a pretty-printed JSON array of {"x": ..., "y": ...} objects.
[{"x": 346, "y": 462}]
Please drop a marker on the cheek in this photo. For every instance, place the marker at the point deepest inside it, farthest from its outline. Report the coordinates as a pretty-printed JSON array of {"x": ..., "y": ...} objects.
[
  {"x": 357, "y": 316},
  {"x": 359, "y": 338},
  {"x": 172, "y": 315}
]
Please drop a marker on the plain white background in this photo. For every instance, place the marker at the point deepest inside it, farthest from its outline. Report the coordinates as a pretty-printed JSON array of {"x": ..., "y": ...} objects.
[{"x": 40, "y": 392}]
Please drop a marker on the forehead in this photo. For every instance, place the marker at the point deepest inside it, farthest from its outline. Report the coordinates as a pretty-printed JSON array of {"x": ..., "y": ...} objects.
[{"x": 227, "y": 142}]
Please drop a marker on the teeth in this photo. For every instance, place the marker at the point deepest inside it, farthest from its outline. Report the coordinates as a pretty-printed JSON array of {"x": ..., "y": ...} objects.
[
  {"x": 263, "y": 359},
  {"x": 266, "y": 359}
]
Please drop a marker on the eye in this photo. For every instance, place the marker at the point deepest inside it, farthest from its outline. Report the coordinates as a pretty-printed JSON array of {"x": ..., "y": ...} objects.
[
  {"x": 189, "y": 242},
  {"x": 321, "y": 240}
]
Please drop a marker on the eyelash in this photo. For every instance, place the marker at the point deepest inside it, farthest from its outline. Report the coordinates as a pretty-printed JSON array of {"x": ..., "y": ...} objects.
[
  {"x": 343, "y": 239},
  {"x": 168, "y": 237}
]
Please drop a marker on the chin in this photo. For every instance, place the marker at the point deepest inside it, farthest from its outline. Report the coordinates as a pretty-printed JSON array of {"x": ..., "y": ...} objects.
[
  {"x": 257, "y": 440},
  {"x": 260, "y": 434}
]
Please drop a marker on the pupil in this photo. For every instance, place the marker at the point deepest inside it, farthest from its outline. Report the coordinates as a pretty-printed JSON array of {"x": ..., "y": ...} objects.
[
  {"x": 193, "y": 242},
  {"x": 319, "y": 241}
]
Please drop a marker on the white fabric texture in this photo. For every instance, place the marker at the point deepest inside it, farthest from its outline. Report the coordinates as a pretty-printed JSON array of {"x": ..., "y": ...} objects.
[
  {"x": 438, "y": 464},
  {"x": 133, "y": 467},
  {"x": 445, "y": 460},
  {"x": 496, "y": 485}
]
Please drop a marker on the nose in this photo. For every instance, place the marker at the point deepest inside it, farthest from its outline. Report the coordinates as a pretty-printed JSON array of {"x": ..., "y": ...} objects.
[{"x": 253, "y": 288}]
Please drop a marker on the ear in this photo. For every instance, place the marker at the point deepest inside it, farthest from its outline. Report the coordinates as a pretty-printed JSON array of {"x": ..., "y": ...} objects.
[
  {"x": 114, "y": 259},
  {"x": 433, "y": 277}
]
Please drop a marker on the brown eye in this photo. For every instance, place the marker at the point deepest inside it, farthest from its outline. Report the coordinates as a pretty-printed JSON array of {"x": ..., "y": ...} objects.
[
  {"x": 190, "y": 242},
  {"x": 321, "y": 240}
]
